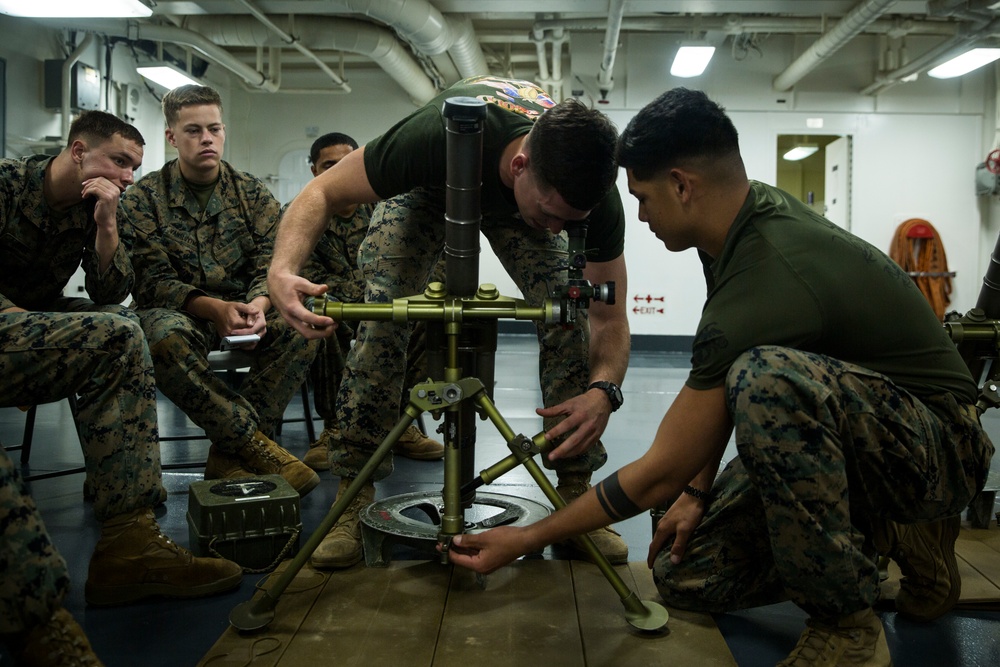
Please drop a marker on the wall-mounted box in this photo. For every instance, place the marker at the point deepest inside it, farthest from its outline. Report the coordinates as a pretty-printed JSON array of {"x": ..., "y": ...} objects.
[{"x": 85, "y": 86}]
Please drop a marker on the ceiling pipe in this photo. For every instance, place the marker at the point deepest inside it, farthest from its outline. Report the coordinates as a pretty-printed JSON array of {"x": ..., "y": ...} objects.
[
  {"x": 559, "y": 37},
  {"x": 295, "y": 44},
  {"x": 605, "y": 79},
  {"x": 846, "y": 29},
  {"x": 889, "y": 79},
  {"x": 466, "y": 51},
  {"x": 428, "y": 30},
  {"x": 942, "y": 52},
  {"x": 543, "y": 59},
  {"x": 417, "y": 21},
  {"x": 135, "y": 30},
  {"x": 551, "y": 82},
  {"x": 320, "y": 33},
  {"x": 66, "y": 82},
  {"x": 735, "y": 24}
]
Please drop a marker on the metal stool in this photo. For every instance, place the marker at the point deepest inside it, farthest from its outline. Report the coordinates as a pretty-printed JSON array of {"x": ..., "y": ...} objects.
[{"x": 28, "y": 437}]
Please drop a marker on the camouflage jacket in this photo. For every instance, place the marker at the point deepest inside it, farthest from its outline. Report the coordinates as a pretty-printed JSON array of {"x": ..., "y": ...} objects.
[
  {"x": 334, "y": 262},
  {"x": 179, "y": 251},
  {"x": 41, "y": 249}
]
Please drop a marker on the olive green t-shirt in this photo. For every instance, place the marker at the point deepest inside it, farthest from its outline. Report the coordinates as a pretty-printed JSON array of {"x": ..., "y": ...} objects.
[
  {"x": 412, "y": 153},
  {"x": 787, "y": 276}
]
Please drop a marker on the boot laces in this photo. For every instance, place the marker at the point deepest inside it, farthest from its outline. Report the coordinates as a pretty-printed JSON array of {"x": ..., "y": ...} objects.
[
  {"x": 264, "y": 452},
  {"x": 158, "y": 535},
  {"x": 351, "y": 518}
]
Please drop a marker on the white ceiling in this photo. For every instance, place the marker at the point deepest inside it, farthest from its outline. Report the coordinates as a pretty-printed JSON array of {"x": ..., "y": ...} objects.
[{"x": 427, "y": 44}]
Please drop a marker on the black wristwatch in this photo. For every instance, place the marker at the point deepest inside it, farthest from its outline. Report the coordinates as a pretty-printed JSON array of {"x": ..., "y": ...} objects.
[{"x": 613, "y": 391}]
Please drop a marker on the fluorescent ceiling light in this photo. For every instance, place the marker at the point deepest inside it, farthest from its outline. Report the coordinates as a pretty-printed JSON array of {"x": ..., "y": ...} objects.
[
  {"x": 691, "y": 60},
  {"x": 167, "y": 75},
  {"x": 964, "y": 63},
  {"x": 74, "y": 9},
  {"x": 800, "y": 152}
]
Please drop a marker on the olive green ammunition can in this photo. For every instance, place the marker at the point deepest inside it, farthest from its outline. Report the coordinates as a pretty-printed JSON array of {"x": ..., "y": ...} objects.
[{"x": 253, "y": 521}]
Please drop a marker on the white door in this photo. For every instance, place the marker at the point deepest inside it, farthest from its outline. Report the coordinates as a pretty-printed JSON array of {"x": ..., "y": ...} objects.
[
  {"x": 293, "y": 174},
  {"x": 838, "y": 182}
]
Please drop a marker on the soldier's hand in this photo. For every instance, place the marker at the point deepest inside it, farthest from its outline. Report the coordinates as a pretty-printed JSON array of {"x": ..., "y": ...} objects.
[
  {"x": 107, "y": 195},
  {"x": 487, "y": 551},
  {"x": 585, "y": 415},
  {"x": 678, "y": 523},
  {"x": 287, "y": 292},
  {"x": 253, "y": 321}
]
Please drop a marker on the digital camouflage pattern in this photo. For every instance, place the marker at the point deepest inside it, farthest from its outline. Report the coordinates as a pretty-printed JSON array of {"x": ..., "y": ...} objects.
[
  {"x": 180, "y": 251},
  {"x": 66, "y": 346},
  {"x": 823, "y": 446},
  {"x": 42, "y": 248},
  {"x": 180, "y": 343},
  {"x": 102, "y": 357},
  {"x": 334, "y": 263},
  {"x": 405, "y": 240},
  {"x": 35, "y": 579}
]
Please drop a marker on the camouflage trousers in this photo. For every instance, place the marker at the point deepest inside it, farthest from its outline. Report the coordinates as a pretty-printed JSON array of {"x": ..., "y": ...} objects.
[
  {"x": 99, "y": 354},
  {"x": 331, "y": 360},
  {"x": 824, "y": 446},
  {"x": 35, "y": 579},
  {"x": 405, "y": 239},
  {"x": 229, "y": 416}
]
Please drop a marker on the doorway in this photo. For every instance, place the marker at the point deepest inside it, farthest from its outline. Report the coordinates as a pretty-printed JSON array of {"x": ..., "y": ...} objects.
[{"x": 817, "y": 172}]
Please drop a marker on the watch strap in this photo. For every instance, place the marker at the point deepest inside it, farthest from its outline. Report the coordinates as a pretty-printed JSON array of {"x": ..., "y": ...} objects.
[{"x": 612, "y": 390}]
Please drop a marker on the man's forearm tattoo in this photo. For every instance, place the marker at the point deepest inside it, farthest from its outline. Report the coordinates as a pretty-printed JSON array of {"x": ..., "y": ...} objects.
[{"x": 614, "y": 500}]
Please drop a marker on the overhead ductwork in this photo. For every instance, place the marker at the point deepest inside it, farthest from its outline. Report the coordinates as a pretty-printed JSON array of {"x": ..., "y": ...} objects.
[
  {"x": 846, "y": 29},
  {"x": 137, "y": 30},
  {"x": 942, "y": 52},
  {"x": 324, "y": 33},
  {"x": 296, "y": 44},
  {"x": 604, "y": 77},
  {"x": 427, "y": 30}
]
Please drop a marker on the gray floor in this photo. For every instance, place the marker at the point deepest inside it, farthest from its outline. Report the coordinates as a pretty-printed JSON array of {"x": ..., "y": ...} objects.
[{"x": 178, "y": 633}]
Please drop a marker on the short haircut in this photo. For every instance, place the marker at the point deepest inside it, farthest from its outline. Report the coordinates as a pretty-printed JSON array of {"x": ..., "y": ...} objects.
[
  {"x": 572, "y": 149},
  {"x": 678, "y": 126},
  {"x": 100, "y": 126},
  {"x": 331, "y": 139},
  {"x": 188, "y": 96}
]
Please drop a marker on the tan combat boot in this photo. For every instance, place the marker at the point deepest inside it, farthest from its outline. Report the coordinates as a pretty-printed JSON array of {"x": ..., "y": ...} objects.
[
  {"x": 413, "y": 444},
  {"x": 318, "y": 456},
  {"x": 263, "y": 456},
  {"x": 610, "y": 543},
  {"x": 224, "y": 465},
  {"x": 925, "y": 553},
  {"x": 857, "y": 639},
  {"x": 59, "y": 642},
  {"x": 342, "y": 545},
  {"x": 134, "y": 560}
]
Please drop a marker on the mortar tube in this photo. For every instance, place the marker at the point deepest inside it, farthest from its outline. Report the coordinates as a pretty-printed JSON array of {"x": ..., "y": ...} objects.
[{"x": 464, "y": 117}]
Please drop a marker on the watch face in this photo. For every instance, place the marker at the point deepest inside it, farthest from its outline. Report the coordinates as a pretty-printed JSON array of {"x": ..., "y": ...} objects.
[
  {"x": 616, "y": 396},
  {"x": 613, "y": 391}
]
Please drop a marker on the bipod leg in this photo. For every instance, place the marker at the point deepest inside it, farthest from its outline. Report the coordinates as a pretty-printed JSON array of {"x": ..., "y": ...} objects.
[
  {"x": 256, "y": 614},
  {"x": 641, "y": 614}
]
